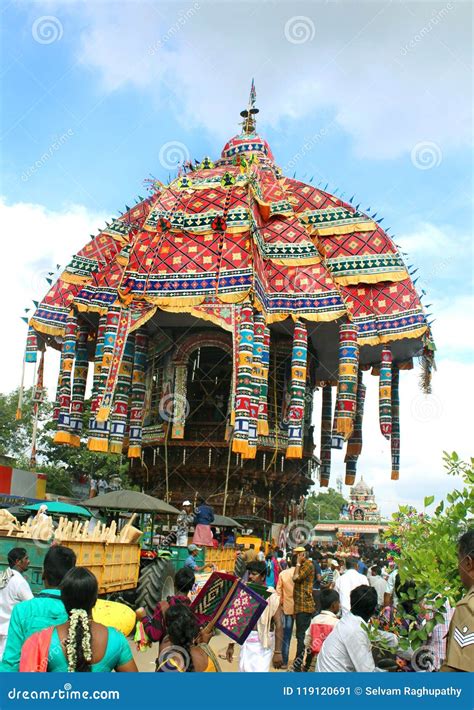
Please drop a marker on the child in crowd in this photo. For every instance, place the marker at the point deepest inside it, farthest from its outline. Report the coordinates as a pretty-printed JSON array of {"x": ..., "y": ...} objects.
[{"x": 321, "y": 626}]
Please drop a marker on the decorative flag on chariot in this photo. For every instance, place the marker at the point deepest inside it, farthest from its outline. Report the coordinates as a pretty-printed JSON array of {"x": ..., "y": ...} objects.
[{"x": 229, "y": 605}]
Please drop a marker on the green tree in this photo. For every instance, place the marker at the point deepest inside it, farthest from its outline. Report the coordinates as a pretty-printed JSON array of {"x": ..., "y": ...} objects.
[
  {"x": 426, "y": 547},
  {"x": 324, "y": 506},
  {"x": 16, "y": 434}
]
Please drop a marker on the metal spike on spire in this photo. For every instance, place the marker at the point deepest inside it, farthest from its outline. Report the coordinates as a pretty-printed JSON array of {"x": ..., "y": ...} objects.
[{"x": 249, "y": 122}]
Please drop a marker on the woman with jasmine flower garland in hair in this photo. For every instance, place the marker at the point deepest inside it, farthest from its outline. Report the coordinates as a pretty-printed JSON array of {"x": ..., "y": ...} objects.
[{"x": 79, "y": 645}]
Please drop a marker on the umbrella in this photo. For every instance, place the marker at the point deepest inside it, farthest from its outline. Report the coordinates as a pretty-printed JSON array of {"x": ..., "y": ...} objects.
[
  {"x": 58, "y": 508},
  {"x": 222, "y": 521},
  {"x": 130, "y": 500}
]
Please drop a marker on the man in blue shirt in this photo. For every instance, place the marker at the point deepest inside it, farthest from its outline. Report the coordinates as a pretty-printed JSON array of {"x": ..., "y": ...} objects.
[
  {"x": 190, "y": 561},
  {"x": 41, "y": 612}
]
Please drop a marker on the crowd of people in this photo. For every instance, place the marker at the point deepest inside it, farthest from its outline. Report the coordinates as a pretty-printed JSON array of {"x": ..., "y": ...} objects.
[{"x": 325, "y": 598}]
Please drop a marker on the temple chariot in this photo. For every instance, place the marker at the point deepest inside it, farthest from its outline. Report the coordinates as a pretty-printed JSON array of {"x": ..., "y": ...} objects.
[{"x": 212, "y": 313}]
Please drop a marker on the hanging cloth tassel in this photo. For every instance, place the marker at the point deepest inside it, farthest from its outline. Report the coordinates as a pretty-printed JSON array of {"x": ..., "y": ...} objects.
[
  {"x": 31, "y": 351},
  {"x": 180, "y": 403},
  {"x": 326, "y": 433},
  {"x": 118, "y": 326},
  {"x": 98, "y": 431},
  {"x": 63, "y": 434},
  {"x": 81, "y": 367},
  {"x": 395, "y": 440},
  {"x": 31, "y": 346},
  {"x": 38, "y": 399},
  {"x": 354, "y": 445},
  {"x": 138, "y": 395},
  {"x": 262, "y": 426},
  {"x": 347, "y": 382},
  {"x": 244, "y": 382},
  {"x": 385, "y": 393},
  {"x": 118, "y": 418},
  {"x": 299, "y": 359},
  {"x": 256, "y": 386}
]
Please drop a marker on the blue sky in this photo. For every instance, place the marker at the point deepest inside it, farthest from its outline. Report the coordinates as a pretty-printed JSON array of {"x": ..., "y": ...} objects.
[{"x": 373, "y": 98}]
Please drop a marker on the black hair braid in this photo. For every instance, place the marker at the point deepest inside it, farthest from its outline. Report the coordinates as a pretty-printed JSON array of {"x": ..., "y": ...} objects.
[{"x": 182, "y": 629}]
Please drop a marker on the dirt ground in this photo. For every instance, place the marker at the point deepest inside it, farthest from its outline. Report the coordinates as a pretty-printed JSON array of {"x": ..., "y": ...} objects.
[{"x": 146, "y": 660}]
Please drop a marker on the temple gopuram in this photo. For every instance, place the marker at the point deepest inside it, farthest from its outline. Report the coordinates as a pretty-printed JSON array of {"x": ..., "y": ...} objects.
[
  {"x": 211, "y": 313},
  {"x": 360, "y": 521}
]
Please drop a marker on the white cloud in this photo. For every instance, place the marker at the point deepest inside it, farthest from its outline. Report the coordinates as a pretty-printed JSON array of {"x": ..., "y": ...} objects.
[
  {"x": 392, "y": 74},
  {"x": 39, "y": 239}
]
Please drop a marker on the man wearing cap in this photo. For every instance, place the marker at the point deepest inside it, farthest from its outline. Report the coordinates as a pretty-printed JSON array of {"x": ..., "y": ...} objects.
[
  {"x": 190, "y": 561},
  {"x": 303, "y": 599},
  {"x": 184, "y": 520},
  {"x": 264, "y": 643}
]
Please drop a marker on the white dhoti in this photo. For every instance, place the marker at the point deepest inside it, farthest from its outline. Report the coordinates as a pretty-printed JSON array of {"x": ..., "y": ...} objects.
[{"x": 254, "y": 658}]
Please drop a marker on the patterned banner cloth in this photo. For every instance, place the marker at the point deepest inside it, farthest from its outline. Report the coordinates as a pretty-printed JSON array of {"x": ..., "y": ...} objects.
[
  {"x": 347, "y": 383},
  {"x": 385, "y": 393},
  {"x": 244, "y": 382},
  {"x": 354, "y": 445},
  {"x": 299, "y": 358},
  {"x": 81, "y": 367},
  {"x": 395, "y": 440},
  {"x": 326, "y": 435},
  {"x": 242, "y": 611},
  {"x": 63, "y": 434}
]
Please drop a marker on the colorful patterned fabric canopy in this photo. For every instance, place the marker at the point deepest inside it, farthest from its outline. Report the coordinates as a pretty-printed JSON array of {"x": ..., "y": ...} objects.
[{"x": 233, "y": 242}]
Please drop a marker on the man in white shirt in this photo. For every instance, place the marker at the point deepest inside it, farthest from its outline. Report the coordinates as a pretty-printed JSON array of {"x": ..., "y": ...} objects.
[
  {"x": 390, "y": 596},
  {"x": 347, "y": 649},
  {"x": 347, "y": 582},
  {"x": 13, "y": 589},
  {"x": 378, "y": 583}
]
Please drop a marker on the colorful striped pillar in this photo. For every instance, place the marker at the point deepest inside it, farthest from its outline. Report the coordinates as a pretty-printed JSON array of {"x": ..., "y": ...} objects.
[
  {"x": 98, "y": 431},
  {"x": 243, "y": 390},
  {"x": 385, "y": 393},
  {"x": 118, "y": 418},
  {"x": 299, "y": 358},
  {"x": 395, "y": 439},
  {"x": 347, "y": 381},
  {"x": 326, "y": 435},
  {"x": 63, "y": 433},
  {"x": 81, "y": 368},
  {"x": 138, "y": 395},
  {"x": 354, "y": 445}
]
